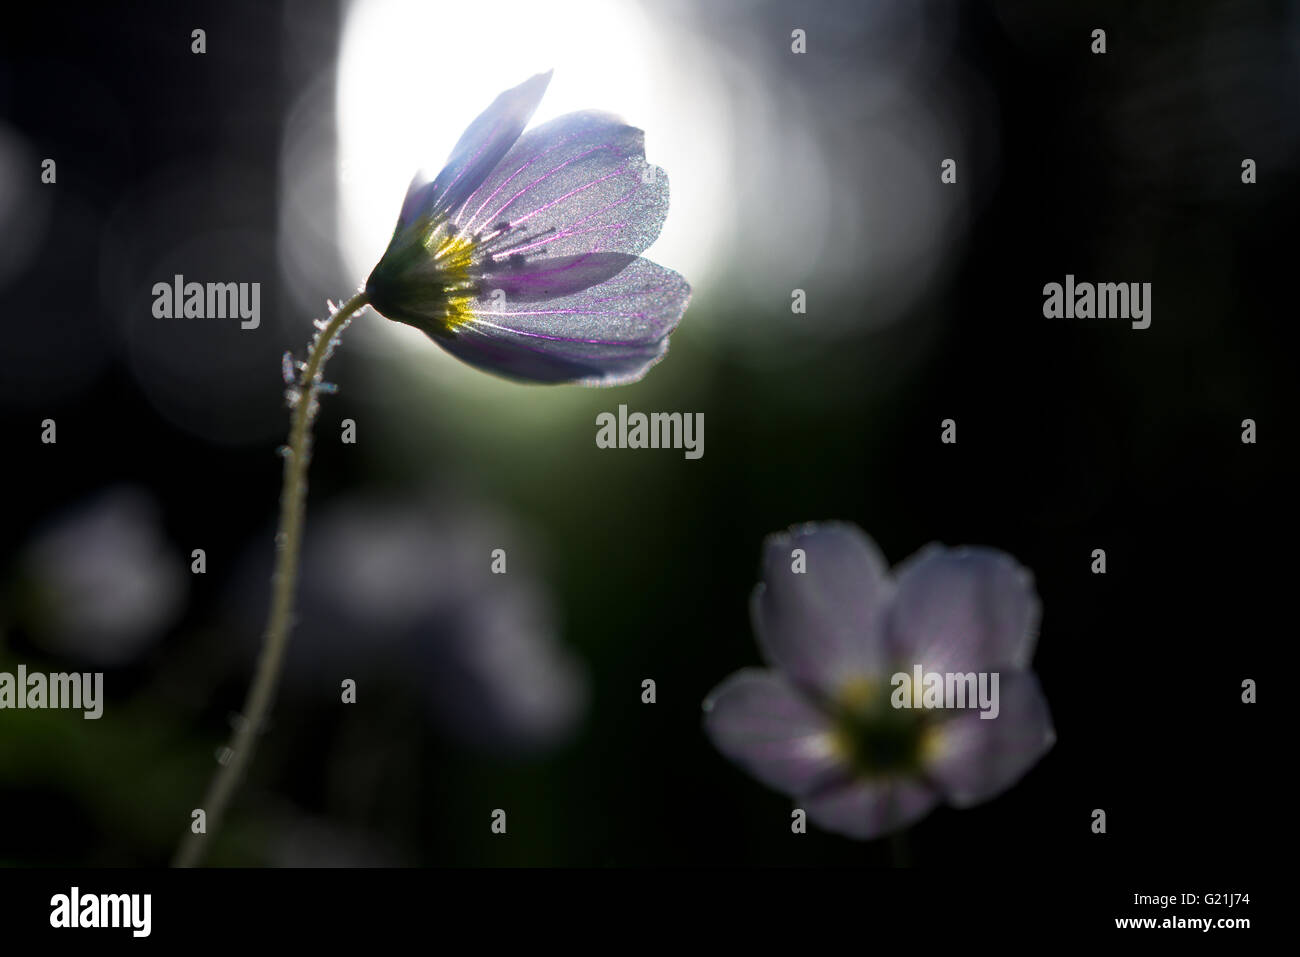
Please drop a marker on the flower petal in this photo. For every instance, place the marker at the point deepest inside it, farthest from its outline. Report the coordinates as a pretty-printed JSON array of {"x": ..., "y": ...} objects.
[
  {"x": 539, "y": 280},
  {"x": 823, "y": 626},
  {"x": 977, "y": 758},
  {"x": 864, "y": 808},
  {"x": 964, "y": 609},
  {"x": 480, "y": 148},
  {"x": 760, "y": 722},
  {"x": 608, "y": 334},
  {"x": 579, "y": 183}
]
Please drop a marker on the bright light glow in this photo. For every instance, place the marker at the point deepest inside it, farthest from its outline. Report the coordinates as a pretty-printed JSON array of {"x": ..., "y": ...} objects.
[{"x": 414, "y": 74}]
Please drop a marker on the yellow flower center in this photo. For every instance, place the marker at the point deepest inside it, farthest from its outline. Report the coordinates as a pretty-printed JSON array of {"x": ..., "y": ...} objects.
[{"x": 875, "y": 738}]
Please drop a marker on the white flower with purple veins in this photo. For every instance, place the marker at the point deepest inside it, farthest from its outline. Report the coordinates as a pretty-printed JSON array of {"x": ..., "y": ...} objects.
[
  {"x": 522, "y": 257},
  {"x": 820, "y": 726}
]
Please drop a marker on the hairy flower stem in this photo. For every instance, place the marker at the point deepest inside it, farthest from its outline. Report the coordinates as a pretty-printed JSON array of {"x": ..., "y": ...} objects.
[{"x": 236, "y": 756}]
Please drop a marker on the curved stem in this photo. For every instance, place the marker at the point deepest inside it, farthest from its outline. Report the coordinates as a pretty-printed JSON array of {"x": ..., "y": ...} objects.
[{"x": 236, "y": 756}]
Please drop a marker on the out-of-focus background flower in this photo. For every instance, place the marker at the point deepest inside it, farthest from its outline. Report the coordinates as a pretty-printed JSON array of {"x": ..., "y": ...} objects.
[{"x": 280, "y": 156}]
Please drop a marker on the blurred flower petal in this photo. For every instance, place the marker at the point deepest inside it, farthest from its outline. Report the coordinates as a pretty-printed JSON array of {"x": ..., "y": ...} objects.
[
  {"x": 822, "y": 626},
  {"x": 107, "y": 581},
  {"x": 503, "y": 679},
  {"x": 759, "y": 721},
  {"x": 399, "y": 591},
  {"x": 865, "y": 808},
  {"x": 979, "y": 758},
  {"x": 965, "y": 609}
]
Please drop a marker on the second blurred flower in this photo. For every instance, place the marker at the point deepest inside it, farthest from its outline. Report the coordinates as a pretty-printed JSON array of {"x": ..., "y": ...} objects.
[
  {"x": 404, "y": 590},
  {"x": 826, "y": 725}
]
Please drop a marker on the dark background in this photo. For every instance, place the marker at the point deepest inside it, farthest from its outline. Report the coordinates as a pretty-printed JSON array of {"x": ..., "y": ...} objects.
[{"x": 1073, "y": 435}]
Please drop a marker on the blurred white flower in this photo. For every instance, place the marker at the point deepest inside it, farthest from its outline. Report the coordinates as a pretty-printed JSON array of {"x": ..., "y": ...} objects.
[
  {"x": 104, "y": 582},
  {"x": 403, "y": 591},
  {"x": 821, "y": 725}
]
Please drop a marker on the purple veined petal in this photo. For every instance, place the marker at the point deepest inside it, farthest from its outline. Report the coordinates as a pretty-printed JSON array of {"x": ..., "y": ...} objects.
[
  {"x": 823, "y": 625},
  {"x": 963, "y": 609},
  {"x": 537, "y": 280},
  {"x": 977, "y": 758},
  {"x": 759, "y": 721},
  {"x": 865, "y": 808},
  {"x": 608, "y": 334},
  {"x": 480, "y": 148},
  {"x": 577, "y": 184}
]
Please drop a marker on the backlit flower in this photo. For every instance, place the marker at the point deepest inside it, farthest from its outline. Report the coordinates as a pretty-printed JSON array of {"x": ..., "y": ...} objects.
[
  {"x": 824, "y": 725},
  {"x": 522, "y": 257}
]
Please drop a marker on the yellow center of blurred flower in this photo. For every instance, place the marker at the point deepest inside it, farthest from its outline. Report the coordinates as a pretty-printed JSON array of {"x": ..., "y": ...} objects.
[
  {"x": 877, "y": 739},
  {"x": 856, "y": 693}
]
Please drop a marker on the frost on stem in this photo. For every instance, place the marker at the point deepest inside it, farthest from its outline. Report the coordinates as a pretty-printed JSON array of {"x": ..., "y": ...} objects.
[
  {"x": 300, "y": 378},
  {"x": 295, "y": 371}
]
